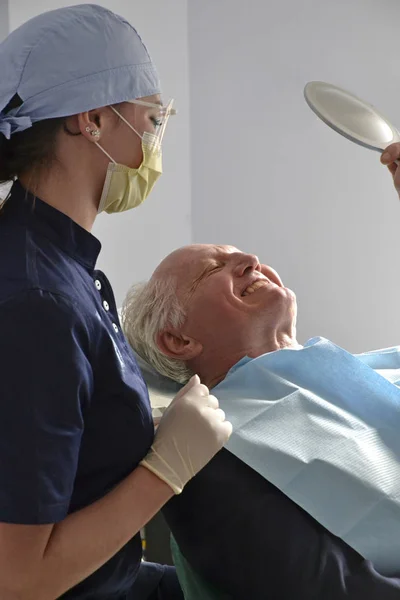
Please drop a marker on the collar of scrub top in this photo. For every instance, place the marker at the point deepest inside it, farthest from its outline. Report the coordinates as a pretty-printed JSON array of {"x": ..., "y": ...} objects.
[
  {"x": 49, "y": 222},
  {"x": 71, "y": 60}
]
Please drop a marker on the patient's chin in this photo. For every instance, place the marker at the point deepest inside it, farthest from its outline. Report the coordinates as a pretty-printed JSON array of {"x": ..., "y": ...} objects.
[
  {"x": 291, "y": 300},
  {"x": 289, "y": 292},
  {"x": 288, "y": 296},
  {"x": 282, "y": 305},
  {"x": 280, "y": 295}
]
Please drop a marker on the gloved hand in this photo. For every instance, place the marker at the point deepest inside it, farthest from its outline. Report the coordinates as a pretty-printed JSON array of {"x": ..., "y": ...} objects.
[
  {"x": 388, "y": 158},
  {"x": 192, "y": 430}
]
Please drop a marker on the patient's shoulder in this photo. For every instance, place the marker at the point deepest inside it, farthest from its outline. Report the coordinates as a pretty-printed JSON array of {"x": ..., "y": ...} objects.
[{"x": 237, "y": 530}]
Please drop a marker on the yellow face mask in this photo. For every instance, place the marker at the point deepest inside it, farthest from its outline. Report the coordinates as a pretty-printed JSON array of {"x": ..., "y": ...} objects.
[{"x": 125, "y": 187}]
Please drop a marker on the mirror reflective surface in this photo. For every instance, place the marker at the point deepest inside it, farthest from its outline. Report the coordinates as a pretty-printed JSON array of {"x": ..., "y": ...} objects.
[{"x": 353, "y": 118}]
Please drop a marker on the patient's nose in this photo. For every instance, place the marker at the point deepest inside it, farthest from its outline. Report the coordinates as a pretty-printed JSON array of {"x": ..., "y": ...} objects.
[{"x": 246, "y": 263}]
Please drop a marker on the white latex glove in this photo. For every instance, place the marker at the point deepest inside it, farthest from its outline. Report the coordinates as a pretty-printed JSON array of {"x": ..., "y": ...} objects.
[{"x": 192, "y": 430}]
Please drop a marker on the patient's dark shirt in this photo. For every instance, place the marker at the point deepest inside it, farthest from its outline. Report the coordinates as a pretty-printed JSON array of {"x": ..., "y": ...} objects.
[{"x": 244, "y": 536}]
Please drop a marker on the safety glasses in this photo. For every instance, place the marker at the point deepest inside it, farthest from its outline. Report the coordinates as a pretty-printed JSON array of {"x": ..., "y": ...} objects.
[{"x": 164, "y": 112}]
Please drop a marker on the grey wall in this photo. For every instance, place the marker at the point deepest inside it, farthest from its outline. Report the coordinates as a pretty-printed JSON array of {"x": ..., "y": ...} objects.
[
  {"x": 266, "y": 174},
  {"x": 4, "y": 24},
  {"x": 134, "y": 243},
  {"x": 272, "y": 179}
]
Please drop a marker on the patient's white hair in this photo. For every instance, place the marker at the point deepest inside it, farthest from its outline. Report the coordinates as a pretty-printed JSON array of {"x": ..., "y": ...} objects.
[{"x": 149, "y": 309}]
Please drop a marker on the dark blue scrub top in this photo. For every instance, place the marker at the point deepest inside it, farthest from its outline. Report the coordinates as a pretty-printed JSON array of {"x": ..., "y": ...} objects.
[{"x": 75, "y": 417}]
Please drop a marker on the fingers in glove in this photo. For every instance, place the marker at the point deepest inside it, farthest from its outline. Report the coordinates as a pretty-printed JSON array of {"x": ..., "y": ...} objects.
[
  {"x": 212, "y": 401},
  {"x": 219, "y": 414}
]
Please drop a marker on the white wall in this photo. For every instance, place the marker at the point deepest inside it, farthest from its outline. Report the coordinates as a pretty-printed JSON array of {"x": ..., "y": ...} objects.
[
  {"x": 134, "y": 243},
  {"x": 272, "y": 179}
]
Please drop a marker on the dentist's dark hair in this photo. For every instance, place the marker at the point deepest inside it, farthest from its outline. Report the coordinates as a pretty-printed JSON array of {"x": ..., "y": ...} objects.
[{"x": 31, "y": 150}]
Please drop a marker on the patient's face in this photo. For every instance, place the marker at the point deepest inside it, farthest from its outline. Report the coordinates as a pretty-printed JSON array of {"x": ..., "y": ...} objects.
[{"x": 231, "y": 300}]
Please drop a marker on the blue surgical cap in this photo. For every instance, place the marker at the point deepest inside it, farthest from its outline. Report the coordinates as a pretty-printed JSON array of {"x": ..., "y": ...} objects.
[{"x": 68, "y": 61}]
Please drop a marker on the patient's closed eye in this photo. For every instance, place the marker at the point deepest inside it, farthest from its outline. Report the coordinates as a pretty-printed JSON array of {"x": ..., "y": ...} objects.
[
  {"x": 212, "y": 267},
  {"x": 216, "y": 266}
]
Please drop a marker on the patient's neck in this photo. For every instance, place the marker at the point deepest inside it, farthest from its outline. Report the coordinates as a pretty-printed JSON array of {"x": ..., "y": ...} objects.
[{"x": 212, "y": 366}]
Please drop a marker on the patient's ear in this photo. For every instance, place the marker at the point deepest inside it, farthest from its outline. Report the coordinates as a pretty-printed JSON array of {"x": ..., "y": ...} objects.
[{"x": 179, "y": 346}]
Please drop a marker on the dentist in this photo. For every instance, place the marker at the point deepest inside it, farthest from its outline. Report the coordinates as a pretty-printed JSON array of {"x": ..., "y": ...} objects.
[{"x": 81, "y": 126}]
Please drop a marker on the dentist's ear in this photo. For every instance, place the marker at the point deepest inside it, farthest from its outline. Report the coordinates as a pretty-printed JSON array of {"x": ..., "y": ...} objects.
[{"x": 177, "y": 345}]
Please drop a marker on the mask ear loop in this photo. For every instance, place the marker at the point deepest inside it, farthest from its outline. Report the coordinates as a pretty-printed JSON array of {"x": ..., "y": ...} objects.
[
  {"x": 148, "y": 138},
  {"x": 126, "y": 122},
  {"x": 129, "y": 125},
  {"x": 157, "y": 138},
  {"x": 106, "y": 153},
  {"x": 160, "y": 134}
]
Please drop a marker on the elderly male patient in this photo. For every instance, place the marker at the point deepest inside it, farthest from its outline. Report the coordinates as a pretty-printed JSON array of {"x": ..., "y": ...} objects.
[{"x": 205, "y": 308}]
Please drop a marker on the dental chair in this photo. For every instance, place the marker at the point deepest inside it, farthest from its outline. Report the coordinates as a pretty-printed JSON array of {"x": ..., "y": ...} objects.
[
  {"x": 161, "y": 546},
  {"x": 156, "y": 534}
]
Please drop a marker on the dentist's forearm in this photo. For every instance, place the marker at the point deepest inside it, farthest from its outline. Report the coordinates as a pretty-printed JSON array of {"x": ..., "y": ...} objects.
[{"x": 85, "y": 540}]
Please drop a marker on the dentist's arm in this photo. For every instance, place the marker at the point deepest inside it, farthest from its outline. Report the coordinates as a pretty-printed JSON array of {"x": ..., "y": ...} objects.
[{"x": 44, "y": 561}]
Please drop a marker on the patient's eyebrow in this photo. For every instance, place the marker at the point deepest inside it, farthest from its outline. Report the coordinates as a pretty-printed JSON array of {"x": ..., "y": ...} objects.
[{"x": 195, "y": 282}]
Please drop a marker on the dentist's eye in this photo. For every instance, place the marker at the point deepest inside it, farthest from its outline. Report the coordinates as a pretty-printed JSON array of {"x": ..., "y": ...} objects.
[{"x": 156, "y": 122}]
